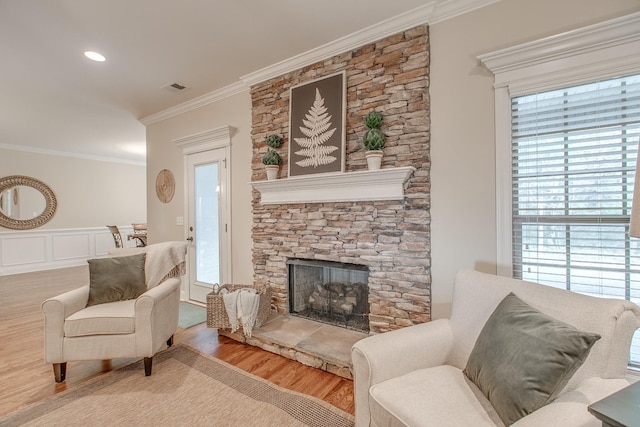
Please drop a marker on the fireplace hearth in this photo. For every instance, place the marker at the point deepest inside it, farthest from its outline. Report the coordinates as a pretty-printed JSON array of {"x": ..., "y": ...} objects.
[{"x": 329, "y": 292}]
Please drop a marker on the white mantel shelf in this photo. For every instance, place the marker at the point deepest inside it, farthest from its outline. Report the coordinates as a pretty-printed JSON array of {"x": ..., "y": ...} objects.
[{"x": 381, "y": 184}]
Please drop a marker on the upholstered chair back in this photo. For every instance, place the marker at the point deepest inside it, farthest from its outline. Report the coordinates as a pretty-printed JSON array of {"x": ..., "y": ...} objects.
[{"x": 476, "y": 295}]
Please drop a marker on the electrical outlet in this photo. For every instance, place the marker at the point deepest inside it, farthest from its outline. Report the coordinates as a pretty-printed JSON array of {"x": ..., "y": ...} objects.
[{"x": 179, "y": 220}]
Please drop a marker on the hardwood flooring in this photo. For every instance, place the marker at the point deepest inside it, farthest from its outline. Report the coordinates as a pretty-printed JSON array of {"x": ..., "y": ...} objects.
[{"x": 26, "y": 379}]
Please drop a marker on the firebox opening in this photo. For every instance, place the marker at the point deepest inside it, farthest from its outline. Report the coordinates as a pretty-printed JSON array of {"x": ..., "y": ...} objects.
[{"x": 330, "y": 292}]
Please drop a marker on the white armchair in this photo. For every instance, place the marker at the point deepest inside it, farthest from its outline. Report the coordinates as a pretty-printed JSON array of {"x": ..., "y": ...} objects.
[
  {"x": 414, "y": 376},
  {"x": 122, "y": 329}
]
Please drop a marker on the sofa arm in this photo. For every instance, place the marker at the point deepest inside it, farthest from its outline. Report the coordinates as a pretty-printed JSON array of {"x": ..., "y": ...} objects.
[
  {"x": 55, "y": 310},
  {"x": 392, "y": 354},
  {"x": 156, "y": 314},
  {"x": 570, "y": 409}
]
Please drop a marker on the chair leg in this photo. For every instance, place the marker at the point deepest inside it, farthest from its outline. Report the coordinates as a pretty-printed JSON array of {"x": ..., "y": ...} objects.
[
  {"x": 170, "y": 341},
  {"x": 148, "y": 361},
  {"x": 60, "y": 371}
]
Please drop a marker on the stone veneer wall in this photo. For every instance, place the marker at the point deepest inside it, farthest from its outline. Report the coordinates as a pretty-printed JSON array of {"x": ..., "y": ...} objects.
[{"x": 391, "y": 237}]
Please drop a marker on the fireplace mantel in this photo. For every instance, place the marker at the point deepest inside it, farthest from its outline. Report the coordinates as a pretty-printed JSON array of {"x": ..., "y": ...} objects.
[{"x": 381, "y": 184}]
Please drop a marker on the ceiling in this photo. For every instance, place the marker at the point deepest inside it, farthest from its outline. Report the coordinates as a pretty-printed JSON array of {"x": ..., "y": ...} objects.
[{"x": 56, "y": 100}]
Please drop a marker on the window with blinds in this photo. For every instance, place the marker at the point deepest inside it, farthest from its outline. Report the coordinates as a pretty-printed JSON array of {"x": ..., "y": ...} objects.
[{"x": 574, "y": 153}]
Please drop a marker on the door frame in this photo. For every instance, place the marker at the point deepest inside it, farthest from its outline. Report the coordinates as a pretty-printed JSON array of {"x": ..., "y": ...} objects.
[{"x": 215, "y": 139}]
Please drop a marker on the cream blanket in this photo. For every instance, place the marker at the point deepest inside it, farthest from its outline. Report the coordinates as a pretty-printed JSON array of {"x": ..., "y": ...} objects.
[
  {"x": 163, "y": 260},
  {"x": 242, "y": 307}
]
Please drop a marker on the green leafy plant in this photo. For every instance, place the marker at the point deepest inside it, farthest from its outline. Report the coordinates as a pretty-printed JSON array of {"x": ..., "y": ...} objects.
[
  {"x": 373, "y": 120},
  {"x": 373, "y": 139},
  {"x": 274, "y": 141},
  {"x": 271, "y": 158}
]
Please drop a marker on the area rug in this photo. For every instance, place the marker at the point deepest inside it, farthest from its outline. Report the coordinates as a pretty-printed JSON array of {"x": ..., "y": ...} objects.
[
  {"x": 191, "y": 315},
  {"x": 187, "y": 388}
]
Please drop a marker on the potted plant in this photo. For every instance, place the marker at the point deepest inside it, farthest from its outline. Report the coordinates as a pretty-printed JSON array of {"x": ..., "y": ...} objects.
[
  {"x": 271, "y": 160},
  {"x": 373, "y": 139},
  {"x": 274, "y": 141}
]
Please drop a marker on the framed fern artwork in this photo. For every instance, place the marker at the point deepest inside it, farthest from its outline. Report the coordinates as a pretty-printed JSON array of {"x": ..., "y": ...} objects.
[{"x": 317, "y": 126}]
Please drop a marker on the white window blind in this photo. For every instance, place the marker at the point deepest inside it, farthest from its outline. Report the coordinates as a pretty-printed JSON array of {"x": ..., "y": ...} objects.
[{"x": 574, "y": 153}]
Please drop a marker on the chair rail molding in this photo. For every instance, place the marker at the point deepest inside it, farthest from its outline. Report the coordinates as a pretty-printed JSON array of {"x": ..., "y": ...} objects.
[{"x": 381, "y": 184}]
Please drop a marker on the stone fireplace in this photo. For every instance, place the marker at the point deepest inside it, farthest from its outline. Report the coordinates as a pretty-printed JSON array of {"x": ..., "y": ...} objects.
[
  {"x": 330, "y": 292},
  {"x": 389, "y": 236}
]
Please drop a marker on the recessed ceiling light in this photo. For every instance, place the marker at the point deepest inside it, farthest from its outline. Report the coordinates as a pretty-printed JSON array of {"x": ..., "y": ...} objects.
[{"x": 94, "y": 56}]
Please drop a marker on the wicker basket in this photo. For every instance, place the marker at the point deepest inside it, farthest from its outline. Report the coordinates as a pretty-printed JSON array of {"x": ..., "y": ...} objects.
[{"x": 217, "y": 313}]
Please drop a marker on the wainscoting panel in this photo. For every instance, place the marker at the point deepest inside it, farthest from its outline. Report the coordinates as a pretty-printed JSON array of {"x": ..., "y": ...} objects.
[
  {"x": 24, "y": 250},
  {"x": 35, "y": 250},
  {"x": 71, "y": 246},
  {"x": 103, "y": 242}
]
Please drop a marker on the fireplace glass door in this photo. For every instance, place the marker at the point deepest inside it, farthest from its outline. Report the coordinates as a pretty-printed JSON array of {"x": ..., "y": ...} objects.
[{"x": 330, "y": 292}]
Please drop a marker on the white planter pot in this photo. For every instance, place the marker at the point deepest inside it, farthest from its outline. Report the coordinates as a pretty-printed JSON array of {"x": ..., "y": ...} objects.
[
  {"x": 374, "y": 159},
  {"x": 272, "y": 171}
]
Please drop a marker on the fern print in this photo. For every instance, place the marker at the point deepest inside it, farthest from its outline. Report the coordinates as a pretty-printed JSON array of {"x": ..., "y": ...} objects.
[{"x": 316, "y": 132}]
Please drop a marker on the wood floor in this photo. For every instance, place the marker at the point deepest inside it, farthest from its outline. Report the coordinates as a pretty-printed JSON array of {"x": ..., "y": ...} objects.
[{"x": 26, "y": 379}]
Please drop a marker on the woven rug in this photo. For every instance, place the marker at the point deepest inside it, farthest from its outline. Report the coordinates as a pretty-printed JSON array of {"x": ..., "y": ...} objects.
[
  {"x": 186, "y": 388},
  {"x": 191, "y": 315}
]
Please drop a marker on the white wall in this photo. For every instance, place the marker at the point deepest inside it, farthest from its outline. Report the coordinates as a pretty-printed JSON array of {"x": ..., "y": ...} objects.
[
  {"x": 463, "y": 215},
  {"x": 90, "y": 193},
  {"x": 163, "y": 153}
]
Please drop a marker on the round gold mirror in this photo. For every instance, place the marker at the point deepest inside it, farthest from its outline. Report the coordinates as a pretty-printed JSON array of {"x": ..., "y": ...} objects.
[{"x": 25, "y": 202}]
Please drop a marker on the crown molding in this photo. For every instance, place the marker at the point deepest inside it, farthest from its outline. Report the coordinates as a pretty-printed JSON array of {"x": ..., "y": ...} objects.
[
  {"x": 449, "y": 9},
  {"x": 431, "y": 12},
  {"x": 201, "y": 101},
  {"x": 37, "y": 150},
  {"x": 207, "y": 140},
  {"x": 602, "y": 50},
  {"x": 410, "y": 19},
  {"x": 584, "y": 40}
]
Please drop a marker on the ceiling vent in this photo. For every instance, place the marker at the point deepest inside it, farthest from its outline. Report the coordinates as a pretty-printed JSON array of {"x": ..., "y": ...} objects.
[{"x": 176, "y": 87}]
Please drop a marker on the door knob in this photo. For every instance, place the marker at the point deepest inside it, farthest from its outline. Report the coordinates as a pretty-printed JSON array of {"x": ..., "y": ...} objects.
[{"x": 190, "y": 238}]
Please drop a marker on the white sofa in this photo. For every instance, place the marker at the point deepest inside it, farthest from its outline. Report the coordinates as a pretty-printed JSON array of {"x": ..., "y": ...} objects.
[{"x": 414, "y": 376}]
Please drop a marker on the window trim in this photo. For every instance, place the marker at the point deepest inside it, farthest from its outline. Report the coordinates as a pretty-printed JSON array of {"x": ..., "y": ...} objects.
[{"x": 603, "y": 50}]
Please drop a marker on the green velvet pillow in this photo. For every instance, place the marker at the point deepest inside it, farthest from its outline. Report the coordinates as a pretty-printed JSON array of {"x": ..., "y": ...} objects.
[
  {"x": 524, "y": 358},
  {"x": 116, "y": 279}
]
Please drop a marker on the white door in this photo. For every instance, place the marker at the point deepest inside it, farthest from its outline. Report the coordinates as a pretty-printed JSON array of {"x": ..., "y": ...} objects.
[{"x": 207, "y": 222}]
